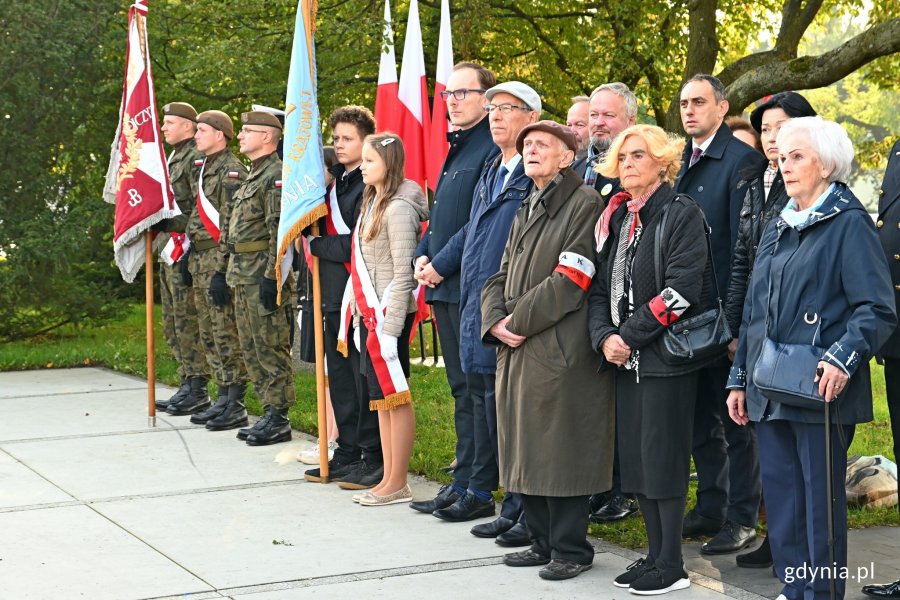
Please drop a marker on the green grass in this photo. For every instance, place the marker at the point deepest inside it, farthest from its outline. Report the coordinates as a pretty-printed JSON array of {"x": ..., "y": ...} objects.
[{"x": 121, "y": 346}]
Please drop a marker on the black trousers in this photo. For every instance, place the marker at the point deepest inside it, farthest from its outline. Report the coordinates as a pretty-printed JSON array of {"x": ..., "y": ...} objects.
[
  {"x": 725, "y": 455},
  {"x": 558, "y": 527},
  {"x": 358, "y": 434},
  {"x": 892, "y": 384},
  {"x": 447, "y": 315},
  {"x": 485, "y": 471}
]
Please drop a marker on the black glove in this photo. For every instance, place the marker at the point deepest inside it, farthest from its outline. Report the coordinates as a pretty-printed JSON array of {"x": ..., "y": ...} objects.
[
  {"x": 268, "y": 293},
  {"x": 162, "y": 225},
  {"x": 218, "y": 290},
  {"x": 186, "y": 277}
]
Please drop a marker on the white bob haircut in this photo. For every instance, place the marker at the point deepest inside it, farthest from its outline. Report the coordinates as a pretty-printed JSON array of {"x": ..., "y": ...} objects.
[{"x": 827, "y": 139}]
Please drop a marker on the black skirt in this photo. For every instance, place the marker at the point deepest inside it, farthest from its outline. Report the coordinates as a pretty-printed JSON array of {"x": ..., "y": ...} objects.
[{"x": 654, "y": 431}]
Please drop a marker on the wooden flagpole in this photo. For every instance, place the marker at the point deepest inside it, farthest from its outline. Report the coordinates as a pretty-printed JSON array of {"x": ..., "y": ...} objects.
[
  {"x": 151, "y": 364},
  {"x": 318, "y": 324}
]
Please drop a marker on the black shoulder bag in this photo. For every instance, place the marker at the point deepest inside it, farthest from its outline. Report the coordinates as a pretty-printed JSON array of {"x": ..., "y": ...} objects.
[{"x": 701, "y": 337}]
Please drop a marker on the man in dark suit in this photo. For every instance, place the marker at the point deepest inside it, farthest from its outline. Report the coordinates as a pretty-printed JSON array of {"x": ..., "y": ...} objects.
[
  {"x": 888, "y": 225},
  {"x": 470, "y": 146},
  {"x": 724, "y": 454}
]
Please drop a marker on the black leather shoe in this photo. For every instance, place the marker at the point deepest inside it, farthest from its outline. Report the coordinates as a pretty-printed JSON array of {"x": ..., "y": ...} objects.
[
  {"x": 213, "y": 411},
  {"x": 695, "y": 524},
  {"x": 882, "y": 590},
  {"x": 277, "y": 430},
  {"x": 761, "y": 558},
  {"x": 560, "y": 569},
  {"x": 517, "y": 536},
  {"x": 619, "y": 507},
  {"x": 598, "y": 501},
  {"x": 493, "y": 529},
  {"x": 336, "y": 471},
  {"x": 366, "y": 475},
  {"x": 445, "y": 497},
  {"x": 466, "y": 508},
  {"x": 234, "y": 414},
  {"x": 731, "y": 538},
  {"x": 525, "y": 558},
  {"x": 196, "y": 400},
  {"x": 183, "y": 390}
]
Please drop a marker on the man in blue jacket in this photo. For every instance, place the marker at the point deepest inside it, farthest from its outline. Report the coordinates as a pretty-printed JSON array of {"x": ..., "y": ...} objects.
[
  {"x": 725, "y": 455},
  {"x": 470, "y": 146},
  {"x": 475, "y": 252}
]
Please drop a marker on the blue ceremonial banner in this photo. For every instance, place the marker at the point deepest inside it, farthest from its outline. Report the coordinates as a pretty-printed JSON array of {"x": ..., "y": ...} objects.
[{"x": 303, "y": 174}]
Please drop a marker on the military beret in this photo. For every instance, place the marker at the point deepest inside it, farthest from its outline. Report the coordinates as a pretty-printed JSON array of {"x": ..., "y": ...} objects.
[
  {"x": 259, "y": 117},
  {"x": 553, "y": 128},
  {"x": 219, "y": 120},
  {"x": 181, "y": 109}
]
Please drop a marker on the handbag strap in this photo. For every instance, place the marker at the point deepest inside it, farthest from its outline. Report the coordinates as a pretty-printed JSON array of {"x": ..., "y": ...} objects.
[{"x": 657, "y": 258}]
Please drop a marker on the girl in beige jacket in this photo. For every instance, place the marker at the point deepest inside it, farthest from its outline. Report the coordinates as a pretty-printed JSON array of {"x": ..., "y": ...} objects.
[{"x": 388, "y": 232}]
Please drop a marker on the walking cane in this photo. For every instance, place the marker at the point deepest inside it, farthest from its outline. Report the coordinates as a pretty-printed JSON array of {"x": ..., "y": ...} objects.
[{"x": 829, "y": 508}]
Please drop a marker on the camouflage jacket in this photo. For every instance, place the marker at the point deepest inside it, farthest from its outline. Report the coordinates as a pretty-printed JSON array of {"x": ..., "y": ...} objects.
[
  {"x": 223, "y": 174},
  {"x": 184, "y": 167},
  {"x": 255, "y": 212}
]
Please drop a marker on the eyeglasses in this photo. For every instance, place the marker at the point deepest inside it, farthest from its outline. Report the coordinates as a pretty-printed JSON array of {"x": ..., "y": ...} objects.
[
  {"x": 248, "y": 130},
  {"x": 459, "y": 94},
  {"x": 505, "y": 108}
]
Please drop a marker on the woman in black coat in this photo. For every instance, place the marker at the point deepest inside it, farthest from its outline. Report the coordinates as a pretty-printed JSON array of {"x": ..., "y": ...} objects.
[{"x": 629, "y": 312}]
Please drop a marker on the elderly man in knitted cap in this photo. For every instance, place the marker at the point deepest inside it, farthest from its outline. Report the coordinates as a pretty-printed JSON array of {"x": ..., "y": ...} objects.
[
  {"x": 221, "y": 174},
  {"x": 555, "y": 412},
  {"x": 250, "y": 237},
  {"x": 179, "y": 309}
]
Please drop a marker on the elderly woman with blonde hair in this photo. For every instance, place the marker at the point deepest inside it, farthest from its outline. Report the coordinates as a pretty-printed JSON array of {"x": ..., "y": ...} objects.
[
  {"x": 820, "y": 303},
  {"x": 654, "y": 270}
]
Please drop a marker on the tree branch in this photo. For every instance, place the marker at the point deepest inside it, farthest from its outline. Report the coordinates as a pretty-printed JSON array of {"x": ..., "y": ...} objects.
[{"x": 808, "y": 72}]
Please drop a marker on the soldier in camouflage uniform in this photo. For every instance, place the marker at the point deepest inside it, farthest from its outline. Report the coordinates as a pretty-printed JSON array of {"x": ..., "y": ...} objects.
[
  {"x": 220, "y": 177},
  {"x": 251, "y": 238},
  {"x": 178, "y": 308}
]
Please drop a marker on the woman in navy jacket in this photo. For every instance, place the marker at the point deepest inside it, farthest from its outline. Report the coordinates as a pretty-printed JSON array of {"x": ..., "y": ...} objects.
[{"x": 820, "y": 278}]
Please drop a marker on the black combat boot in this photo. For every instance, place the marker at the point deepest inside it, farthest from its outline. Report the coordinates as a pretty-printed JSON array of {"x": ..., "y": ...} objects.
[
  {"x": 213, "y": 411},
  {"x": 234, "y": 414},
  {"x": 196, "y": 400},
  {"x": 277, "y": 429},
  {"x": 261, "y": 423},
  {"x": 178, "y": 396}
]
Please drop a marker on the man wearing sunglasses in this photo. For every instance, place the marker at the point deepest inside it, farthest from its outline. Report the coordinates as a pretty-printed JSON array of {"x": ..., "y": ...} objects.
[{"x": 470, "y": 147}]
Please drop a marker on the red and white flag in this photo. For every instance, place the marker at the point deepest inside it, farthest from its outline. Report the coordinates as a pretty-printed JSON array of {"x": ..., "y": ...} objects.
[
  {"x": 387, "y": 100},
  {"x": 440, "y": 126},
  {"x": 414, "y": 117},
  {"x": 138, "y": 179}
]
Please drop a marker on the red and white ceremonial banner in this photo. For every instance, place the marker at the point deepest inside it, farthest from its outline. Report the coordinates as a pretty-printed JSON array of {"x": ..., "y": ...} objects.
[
  {"x": 138, "y": 180},
  {"x": 414, "y": 117},
  {"x": 440, "y": 126},
  {"x": 387, "y": 100}
]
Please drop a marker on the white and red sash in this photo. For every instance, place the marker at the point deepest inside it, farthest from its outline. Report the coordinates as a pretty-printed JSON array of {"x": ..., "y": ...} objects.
[
  {"x": 209, "y": 216},
  {"x": 391, "y": 378},
  {"x": 334, "y": 221},
  {"x": 178, "y": 243}
]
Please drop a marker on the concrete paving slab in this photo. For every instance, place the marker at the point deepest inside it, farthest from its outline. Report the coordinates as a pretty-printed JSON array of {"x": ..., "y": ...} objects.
[
  {"x": 155, "y": 462},
  {"x": 495, "y": 580},
  {"x": 293, "y": 531},
  {"x": 20, "y": 486},
  {"x": 42, "y": 383},
  {"x": 72, "y": 552},
  {"x": 81, "y": 414}
]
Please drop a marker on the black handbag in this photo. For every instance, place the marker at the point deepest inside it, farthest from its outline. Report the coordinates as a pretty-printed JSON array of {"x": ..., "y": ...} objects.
[
  {"x": 785, "y": 372},
  {"x": 307, "y": 333},
  {"x": 703, "y": 337}
]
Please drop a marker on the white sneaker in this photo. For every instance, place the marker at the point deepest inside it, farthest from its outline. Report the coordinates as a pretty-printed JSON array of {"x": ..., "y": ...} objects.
[{"x": 310, "y": 456}]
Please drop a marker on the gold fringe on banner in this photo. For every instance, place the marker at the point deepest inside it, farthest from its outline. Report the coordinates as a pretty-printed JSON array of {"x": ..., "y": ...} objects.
[
  {"x": 292, "y": 234},
  {"x": 392, "y": 401}
]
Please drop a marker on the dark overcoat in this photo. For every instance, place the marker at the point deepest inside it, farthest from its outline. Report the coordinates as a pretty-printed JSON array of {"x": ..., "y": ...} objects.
[
  {"x": 888, "y": 225},
  {"x": 823, "y": 283},
  {"x": 555, "y": 411}
]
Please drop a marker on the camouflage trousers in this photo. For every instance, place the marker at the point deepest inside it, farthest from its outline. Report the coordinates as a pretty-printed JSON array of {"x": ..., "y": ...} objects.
[
  {"x": 266, "y": 346},
  {"x": 218, "y": 333},
  {"x": 180, "y": 325}
]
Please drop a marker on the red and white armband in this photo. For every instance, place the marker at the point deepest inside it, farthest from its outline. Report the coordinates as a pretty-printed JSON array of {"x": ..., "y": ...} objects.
[
  {"x": 668, "y": 306},
  {"x": 577, "y": 268}
]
